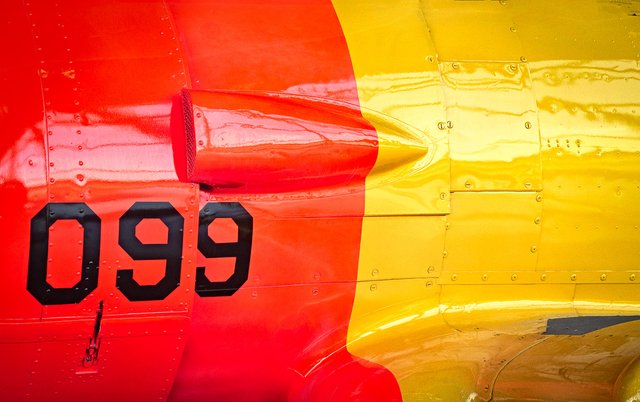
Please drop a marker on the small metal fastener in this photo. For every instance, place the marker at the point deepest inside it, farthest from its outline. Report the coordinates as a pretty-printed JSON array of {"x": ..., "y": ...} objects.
[
  {"x": 449, "y": 124},
  {"x": 431, "y": 268},
  {"x": 373, "y": 287},
  {"x": 374, "y": 272},
  {"x": 632, "y": 277},
  {"x": 485, "y": 277},
  {"x": 514, "y": 277},
  {"x": 443, "y": 196},
  {"x": 537, "y": 220},
  {"x": 574, "y": 277},
  {"x": 527, "y": 125},
  {"x": 523, "y": 59},
  {"x": 454, "y": 277},
  {"x": 543, "y": 277},
  {"x": 442, "y": 125},
  {"x": 429, "y": 284},
  {"x": 455, "y": 65},
  {"x": 539, "y": 197},
  {"x": 603, "y": 277},
  {"x": 533, "y": 249}
]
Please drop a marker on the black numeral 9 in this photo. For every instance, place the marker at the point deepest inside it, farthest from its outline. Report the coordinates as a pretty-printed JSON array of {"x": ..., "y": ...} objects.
[
  {"x": 171, "y": 252},
  {"x": 241, "y": 249}
]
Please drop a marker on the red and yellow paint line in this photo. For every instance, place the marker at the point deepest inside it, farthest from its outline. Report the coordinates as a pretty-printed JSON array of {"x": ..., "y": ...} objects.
[{"x": 396, "y": 70}]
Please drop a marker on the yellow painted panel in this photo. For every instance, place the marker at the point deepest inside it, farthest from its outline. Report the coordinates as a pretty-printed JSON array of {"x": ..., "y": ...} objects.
[
  {"x": 398, "y": 324},
  {"x": 492, "y": 232},
  {"x": 627, "y": 387},
  {"x": 612, "y": 299},
  {"x": 575, "y": 368},
  {"x": 397, "y": 76},
  {"x": 508, "y": 30},
  {"x": 472, "y": 30},
  {"x": 590, "y": 129},
  {"x": 405, "y": 247},
  {"x": 494, "y": 143},
  {"x": 577, "y": 29},
  {"x": 505, "y": 308}
]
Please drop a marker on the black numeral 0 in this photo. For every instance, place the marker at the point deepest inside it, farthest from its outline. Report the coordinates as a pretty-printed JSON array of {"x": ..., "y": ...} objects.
[
  {"x": 241, "y": 250},
  {"x": 171, "y": 251},
  {"x": 37, "y": 283}
]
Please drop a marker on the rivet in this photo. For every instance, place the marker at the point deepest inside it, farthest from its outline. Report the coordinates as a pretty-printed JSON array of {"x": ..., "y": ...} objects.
[
  {"x": 442, "y": 125},
  {"x": 443, "y": 196},
  {"x": 512, "y": 29},
  {"x": 455, "y": 65},
  {"x": 430, "y": 58},
  {"x": 449, "y": 124},
  {"x": 527, "y": 185},
  {"x": 603, "y": 277},
  {"x": 373, "y": 287},
  {"x": 315, "y": 291},
  {"x": 523, "y": 59},
  {"x": 632, "y": 277},
  {"x": 533, "y": 249},
  {"x": 539, "y": 197},
  {"x": 574, "y": 277},
  {"x": 543, "y": 277},
  {"x": 200, "y": 142},
  {"x": 445, "y": 254},
  {"x": 514, "y": 277},
  {"x": 198, "y": 115},
  {"x": 467, "y": 184},
  {"x": 454, "y": 277},
  {"x": 485, "y": 277},
  {"x": 537, "y": 220},
  {"x": 527, "y": 125},
  {"x": 429, "y": 284},
  {"x": 374, "y": 272}
]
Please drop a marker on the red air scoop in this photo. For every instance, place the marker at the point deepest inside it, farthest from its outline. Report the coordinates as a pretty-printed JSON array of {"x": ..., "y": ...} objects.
[{"x": 261, "y": 142}]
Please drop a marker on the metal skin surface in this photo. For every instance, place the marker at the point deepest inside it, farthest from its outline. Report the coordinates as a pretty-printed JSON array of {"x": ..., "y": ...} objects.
[{"x": 324, "y": 200}]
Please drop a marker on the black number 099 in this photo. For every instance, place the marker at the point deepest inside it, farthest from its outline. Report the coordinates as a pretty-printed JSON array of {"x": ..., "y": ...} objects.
[{"x": 171, "y": 252}]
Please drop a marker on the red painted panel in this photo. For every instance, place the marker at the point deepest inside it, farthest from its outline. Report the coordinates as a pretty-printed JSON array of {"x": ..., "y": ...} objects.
[
  {"x": 105, "y": 76},
  {"x": 23, "y": 164},
  {"x": 90, "y": 124}
]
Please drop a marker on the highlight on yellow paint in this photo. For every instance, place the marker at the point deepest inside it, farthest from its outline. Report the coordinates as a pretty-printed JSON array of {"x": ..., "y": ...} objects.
[{"x": 526, "y": 207}]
